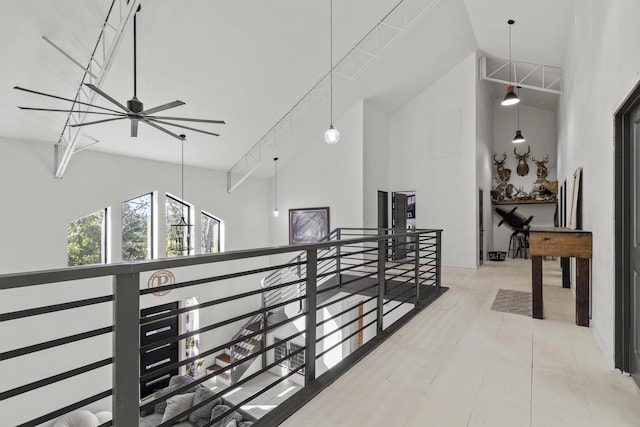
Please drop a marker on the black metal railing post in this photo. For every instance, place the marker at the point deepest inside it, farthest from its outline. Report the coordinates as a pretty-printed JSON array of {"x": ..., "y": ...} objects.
[
  {"x": 264, "y": 331},
  {"x": 416, "y": 268},
  {"x": 382, "y": 250},
  {"x": 312, "y": 303},
  {"x": 438, "y": 257},
  {"x": 126, "y": 349},
  {"x": 338, "y": 237}
]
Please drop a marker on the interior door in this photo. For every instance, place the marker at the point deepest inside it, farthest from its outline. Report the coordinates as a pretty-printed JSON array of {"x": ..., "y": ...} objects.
[
  {"x": 634, "y": 318},
  {"x": 481, "y": 224},
  {"x": 162, "y": 355},
  {"x": 383, "y": 209},
  {"x": 399, "y": 214}
]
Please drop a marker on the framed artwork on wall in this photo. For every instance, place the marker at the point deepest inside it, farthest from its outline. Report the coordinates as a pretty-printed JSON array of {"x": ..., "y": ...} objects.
[
  {"x": 308, "y": 225},
  {"x": 575, "y": 220}
]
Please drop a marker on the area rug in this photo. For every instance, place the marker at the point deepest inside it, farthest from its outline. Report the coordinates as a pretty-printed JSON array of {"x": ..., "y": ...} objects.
[{"x": 510, "y": 301}]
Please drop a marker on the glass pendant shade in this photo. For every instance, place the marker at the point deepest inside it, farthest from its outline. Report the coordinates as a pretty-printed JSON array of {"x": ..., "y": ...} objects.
[
  {"x": 510, "y": 98},
  {"x": 519, "y": 138},
  {"x": 276, "y": 212},
  {"x": 332, "y": 136}
]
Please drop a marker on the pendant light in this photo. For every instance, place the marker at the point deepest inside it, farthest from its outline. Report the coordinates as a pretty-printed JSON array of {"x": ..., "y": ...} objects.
[
  {"x": 519, "y": 138},
  {"x": 182, "y": 229},
  {"x": 510, "y": 98},
  {"x": 331, "y": 136},
  {"x": 276, "y": 213}
]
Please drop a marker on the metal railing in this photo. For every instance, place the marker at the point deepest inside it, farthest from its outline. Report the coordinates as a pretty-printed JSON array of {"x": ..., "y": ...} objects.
[{"x": 72, "y": 336}]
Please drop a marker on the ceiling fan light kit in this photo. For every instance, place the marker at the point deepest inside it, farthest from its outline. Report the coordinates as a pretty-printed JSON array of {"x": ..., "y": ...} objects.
[{"x": 134, "y": 110}]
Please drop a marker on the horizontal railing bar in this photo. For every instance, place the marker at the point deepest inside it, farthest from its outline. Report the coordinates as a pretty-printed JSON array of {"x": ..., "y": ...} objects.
[
  {"x": 54, "y": 379},
  {"x": 397, "y": 297},
  {"x": 55, "y": 414},
  {"x": 213, "y": 326},
  {"x": 344, "y": 325},
  {"x": 398, "y": 306},
  {"x": 344, "y": 339},
  {"x": 54, "y": 343},
  {"x": 171, "y": 313},
  {"x": 224, "y": 346},
  {"x": 342, "y": 284},
  {"x": 53, "y": 308},
  {"x": 349, "y": 295},
  {"x": 207, "y": 280},
  {"x": 17, "y": 280}
]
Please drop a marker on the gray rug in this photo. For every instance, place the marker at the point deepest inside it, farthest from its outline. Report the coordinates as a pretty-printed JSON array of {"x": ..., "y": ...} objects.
[{"x": 515, "y": 302}]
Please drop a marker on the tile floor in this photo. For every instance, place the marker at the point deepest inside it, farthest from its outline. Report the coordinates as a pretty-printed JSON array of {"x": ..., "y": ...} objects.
[{"x": 458, "y": 363}]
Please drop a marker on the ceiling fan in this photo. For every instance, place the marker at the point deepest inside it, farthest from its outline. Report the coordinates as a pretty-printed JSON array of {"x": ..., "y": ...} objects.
[{"x": 134, "y": 110}]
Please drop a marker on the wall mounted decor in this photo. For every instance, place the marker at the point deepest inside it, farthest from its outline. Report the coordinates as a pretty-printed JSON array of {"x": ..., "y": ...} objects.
[
  {"x": 308, "y": 225},
  {"x": 575, "y": 219}
]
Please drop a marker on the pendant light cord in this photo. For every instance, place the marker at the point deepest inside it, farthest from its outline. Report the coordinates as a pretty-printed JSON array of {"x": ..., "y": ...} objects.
[
  {"x": 275, "y": 162},
  {"x": 331, "y": 59},
  {"x": 135, "y": 54},
  {"x": 510, "y": 60}
]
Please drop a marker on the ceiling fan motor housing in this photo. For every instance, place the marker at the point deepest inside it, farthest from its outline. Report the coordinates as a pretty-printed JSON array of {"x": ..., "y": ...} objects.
[{"x": 134, "y": 105}]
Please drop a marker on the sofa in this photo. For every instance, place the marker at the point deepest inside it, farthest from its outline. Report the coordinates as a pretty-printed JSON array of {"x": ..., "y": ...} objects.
[{"x": 151, "y": 416}]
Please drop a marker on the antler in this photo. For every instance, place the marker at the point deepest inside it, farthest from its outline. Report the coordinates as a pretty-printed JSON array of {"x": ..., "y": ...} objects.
[
  {"x": 504, "y": 157},
  {"x": 522, "y": 156}
]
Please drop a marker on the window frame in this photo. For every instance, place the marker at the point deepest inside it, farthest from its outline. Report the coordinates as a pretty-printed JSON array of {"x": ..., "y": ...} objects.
[{"x": 151, "y": 233}]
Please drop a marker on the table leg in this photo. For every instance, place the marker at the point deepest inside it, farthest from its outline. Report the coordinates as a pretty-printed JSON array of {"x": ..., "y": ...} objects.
[
  {"x": 566, "y": 272},
  {"x": 536, "y": 286},
  {"x": 582, "y": 291}
]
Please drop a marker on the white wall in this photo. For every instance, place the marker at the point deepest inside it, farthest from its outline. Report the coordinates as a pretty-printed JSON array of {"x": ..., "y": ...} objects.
[
  {"x": 432, "y": 149},
  {"x": 601, "y": 68},
  {"x": 539, "y": 128},
  {"x": 484, "y": 149},
  {"x": 376, "y": 165},
  {"x": 39, "y": 211},
  {"x": 323, "y": 175},
  {"x": 42, "y": 207}
]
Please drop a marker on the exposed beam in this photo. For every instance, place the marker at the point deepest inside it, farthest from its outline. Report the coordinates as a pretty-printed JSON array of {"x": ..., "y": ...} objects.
[
  {"x": 540, "y": 77},
  {"x": 390, "y": 28},
  {"x": 109, "y": 40}
]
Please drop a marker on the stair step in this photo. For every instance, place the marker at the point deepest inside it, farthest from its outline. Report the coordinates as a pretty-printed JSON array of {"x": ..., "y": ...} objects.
[
  {"x": 253, "y": 327},
  {"x": 226, "y": 375},
  {"x": 223, "y": 359},
  {"x": 251, "y": 341}
]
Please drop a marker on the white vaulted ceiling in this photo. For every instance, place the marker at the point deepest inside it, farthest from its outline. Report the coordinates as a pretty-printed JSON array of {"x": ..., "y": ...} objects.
[{"x": 246, "y": 61}]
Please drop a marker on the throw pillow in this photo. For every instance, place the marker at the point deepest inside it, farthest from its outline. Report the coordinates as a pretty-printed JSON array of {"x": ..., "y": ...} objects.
[
  {"x": 160, "y": 407},
  {"x": 78, "y": 418},
  {"x": 177, "y": 404},
  {"x": 182, "y": 380},
  {"x": 220, "y": 410},
  {"x": 245, "y": 424},
  {"x": 202, "y": 415},
  {"x": 231, "y": 423}
]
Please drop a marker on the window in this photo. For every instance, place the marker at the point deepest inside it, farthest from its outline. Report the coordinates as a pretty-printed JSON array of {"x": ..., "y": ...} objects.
[
  {"x": 137, "y": 228},
  {"x": 210, "y": 228},
  {"x": 179, "y": 241},
  {"x": 86, "y": 239}
]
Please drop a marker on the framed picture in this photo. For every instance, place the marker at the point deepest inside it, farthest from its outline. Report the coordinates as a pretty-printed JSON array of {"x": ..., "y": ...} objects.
[
  {"x": 308, "y": 225},
  {"x": 575, "y": 220}
]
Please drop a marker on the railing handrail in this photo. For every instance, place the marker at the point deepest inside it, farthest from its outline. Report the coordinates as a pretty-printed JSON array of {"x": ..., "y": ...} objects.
[{"x": 23, "y": 279}]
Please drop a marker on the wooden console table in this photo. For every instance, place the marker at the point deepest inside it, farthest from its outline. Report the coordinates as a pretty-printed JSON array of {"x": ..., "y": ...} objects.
[{"x": 561, "y": 242}]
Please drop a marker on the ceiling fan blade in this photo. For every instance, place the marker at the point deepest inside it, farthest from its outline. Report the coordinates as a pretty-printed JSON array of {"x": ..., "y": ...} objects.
[
  {"x": 97, "y": 121},
  {"x": 134, "y": 127},
  {"x": 163, "y": 107},
  {"x": 150, "y": 123},
  {"x": 64, "y": 99},
  {"x": 181, "y": 126},
  {"x": 184, "y": 119},
  {"x": 115, "y": 113},
  {"x": 106, "y": 96}
]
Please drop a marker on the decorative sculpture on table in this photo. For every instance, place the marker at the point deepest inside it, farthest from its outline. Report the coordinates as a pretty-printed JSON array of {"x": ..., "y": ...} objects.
[{"x": 523, "y": 167}]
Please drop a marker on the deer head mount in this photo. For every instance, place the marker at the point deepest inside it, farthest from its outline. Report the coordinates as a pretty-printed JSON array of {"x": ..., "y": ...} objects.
[
  {"x": 542, "y": 167},
  {"x": 523, "y": 167},
  {"x": 503, "y": 173}
]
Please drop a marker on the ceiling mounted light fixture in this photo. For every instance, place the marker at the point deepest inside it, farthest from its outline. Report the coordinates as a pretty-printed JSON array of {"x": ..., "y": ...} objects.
[
  {"x": 182, "y": 229},
  {"x": 331, "y": 136},
  {"x": 510, "y": 98},
  {"x": 276, "y": 212},
  {"x": 519, "y": 138}
]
